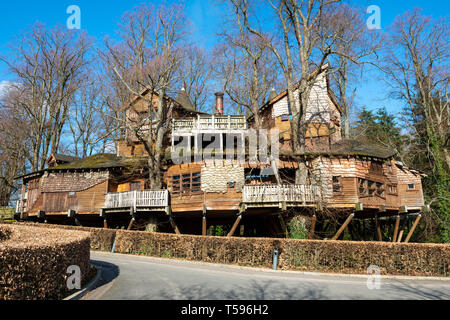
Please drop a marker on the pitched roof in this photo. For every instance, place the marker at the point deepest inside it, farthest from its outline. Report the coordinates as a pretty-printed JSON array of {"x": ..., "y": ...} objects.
[
  {"x": 98, "y": 161},
  {"x": 64, "y": 158},
  {"x": 275, "y": 98},
  {"x": 181, "y": 102}
]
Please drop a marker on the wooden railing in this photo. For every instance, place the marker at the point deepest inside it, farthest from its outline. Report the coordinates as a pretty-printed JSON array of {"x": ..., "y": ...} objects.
[
  {"x": 138, "y": 199},
  {"x": 212, "y": 122},
  {"x": 281, "y": 193}
]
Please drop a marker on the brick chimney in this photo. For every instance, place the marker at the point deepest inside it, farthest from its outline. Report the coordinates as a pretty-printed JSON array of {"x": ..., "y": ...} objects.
[{"x": 219, "y": 103}]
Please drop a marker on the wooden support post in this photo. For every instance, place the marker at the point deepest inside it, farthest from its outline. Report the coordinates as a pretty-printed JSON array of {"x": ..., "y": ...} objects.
[
  {"x": 397, "y": 224},
  {"x": 174, "y": 225},
  {"x": 350, "y": 217},
  {"x": 71, "y": 213},
  {"x": 105, "y": 223},
  {"x": 283, "y": 225},
  {"x": 235, "y": 225},
  {"x": 377, "y": 225},
  {"x": 41, "y": 214},
  {"x": 77, "y": 222},
  {"x": 133, "y": 219},
  {"x": 416, "y": 222},
  {"x": 204, "y": 227},
  {"x": 313, "y": 227},
  {"x": 400, "y": 235}
]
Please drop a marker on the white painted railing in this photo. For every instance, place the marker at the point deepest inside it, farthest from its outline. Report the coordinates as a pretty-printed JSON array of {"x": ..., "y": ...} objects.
[
  {"x": 138, "y": 199},
  {"x": 212, "y": 122},
  {"x": 281, "y": 193}
]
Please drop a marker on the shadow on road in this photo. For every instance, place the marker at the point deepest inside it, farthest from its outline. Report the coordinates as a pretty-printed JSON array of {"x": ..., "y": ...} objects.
[
  {"x": 253, "y": 290},
  {"x": 109, "y": 272}
]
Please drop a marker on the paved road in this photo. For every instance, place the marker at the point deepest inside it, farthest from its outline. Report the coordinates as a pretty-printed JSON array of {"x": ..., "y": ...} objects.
[{"x": 144, "y": 278}]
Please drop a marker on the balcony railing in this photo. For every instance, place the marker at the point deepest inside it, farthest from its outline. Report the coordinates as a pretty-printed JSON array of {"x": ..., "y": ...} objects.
[
  {"x": 281, "y": 193},
  {"x": 138, "y": 199},
  {"x": 213, "y": 122}
]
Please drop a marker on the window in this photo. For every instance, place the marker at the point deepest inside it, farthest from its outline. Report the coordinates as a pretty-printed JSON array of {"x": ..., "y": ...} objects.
[
  {"x": 186, "y": 183},
  {"x": 392, "y": 189},
  {"x": 411, "y": 186},
  {"x": 379, "y": 189},
  {"x": 285, "y": 117},
  {"x": 337, "y": 184},
  {"x": 362, "y": 187},
  {"x": 372, "y": 187}
]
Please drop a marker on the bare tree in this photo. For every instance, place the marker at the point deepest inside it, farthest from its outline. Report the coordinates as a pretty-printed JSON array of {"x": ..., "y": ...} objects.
[
  {"x": 15, "y": 146},
  {"x": 195, "y": 72},
  {"x": 417, "y": 64},
  {"x": 417, "y": 67},
  {"x": 345, "y": 29},
  {"x": 48, "y": 65},
  {"x": 146, "y": 63},
  {"x": 246, "y": 66}
]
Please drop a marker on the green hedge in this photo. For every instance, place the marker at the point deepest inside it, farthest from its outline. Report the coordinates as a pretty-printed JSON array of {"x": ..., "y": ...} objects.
[{"x": 34, "y": 261}]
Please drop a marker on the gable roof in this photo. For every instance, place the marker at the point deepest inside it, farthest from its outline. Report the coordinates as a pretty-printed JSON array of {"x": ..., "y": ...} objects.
[
  {"x": 182, "y": 101},
  {"x": 272, "y": 100}
]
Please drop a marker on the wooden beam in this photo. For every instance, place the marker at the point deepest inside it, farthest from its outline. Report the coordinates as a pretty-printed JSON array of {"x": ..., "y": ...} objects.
[
  {"x": 313, "y": 227},
  {"x": 341, "y": 229},
  {"x": 377, "y": 225},
  {"x": 416, "y": 222},
  {"x": 235, "y": 225},
  {"x": 400, "y": 235},
  {"x": 174, "y": 225},
  {"x": 397, "y": 223},
  {"x": 131, "y": 223}
]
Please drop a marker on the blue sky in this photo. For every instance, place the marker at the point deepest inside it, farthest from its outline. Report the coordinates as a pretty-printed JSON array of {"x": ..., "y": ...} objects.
[{"x": 100, "y": 17}]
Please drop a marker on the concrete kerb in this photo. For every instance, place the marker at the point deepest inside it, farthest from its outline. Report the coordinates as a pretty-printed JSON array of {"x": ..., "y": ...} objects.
[
  {"x": 343, "y": 275},
  {"x": 79, "y": 294}
]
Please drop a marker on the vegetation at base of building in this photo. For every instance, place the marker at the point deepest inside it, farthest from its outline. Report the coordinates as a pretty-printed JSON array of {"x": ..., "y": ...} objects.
[
  {"x": 6, "y": 214},
  {"x": 297, "y": 228}
]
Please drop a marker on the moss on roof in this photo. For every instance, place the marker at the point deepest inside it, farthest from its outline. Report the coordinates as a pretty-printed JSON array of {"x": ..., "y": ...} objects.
[{"x": 100, "y": 161}]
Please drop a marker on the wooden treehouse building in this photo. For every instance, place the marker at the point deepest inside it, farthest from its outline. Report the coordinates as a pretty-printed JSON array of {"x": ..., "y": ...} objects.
[{"x": 347, "y": 179}]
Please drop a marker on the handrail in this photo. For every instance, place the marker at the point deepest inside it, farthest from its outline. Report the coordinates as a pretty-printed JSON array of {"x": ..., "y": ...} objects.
[
  {"x": 280, "y": 193},
  {"x": 137, "y": 199}
]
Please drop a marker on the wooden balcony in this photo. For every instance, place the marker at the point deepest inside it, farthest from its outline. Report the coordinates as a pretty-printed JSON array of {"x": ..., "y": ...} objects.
[
  {"x": 272, "y": 195},
  {"x": 146, "y": 200},
  {"x": 211, "y": 123}
]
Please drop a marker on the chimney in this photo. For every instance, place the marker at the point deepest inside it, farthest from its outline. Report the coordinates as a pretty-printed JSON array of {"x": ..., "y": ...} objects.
[
  {"x": 219, "y": 103},
  {"x": 272, "y": 94}
]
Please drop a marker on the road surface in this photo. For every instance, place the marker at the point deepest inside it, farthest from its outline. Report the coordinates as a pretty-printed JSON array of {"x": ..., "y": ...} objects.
[{"x": 127, "y": 277}]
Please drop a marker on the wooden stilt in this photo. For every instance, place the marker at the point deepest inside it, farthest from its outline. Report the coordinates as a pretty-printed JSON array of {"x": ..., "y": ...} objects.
[
  {"x": 313, "y": 227},
  {"x": 105, "y": 223},
  {"x": 377, "y": 225},
  {"x": 174, "y": 226},
  {"x": 204, "y": 225},
  {"x": 397, "y": 224},
  {"x": 416, "y": 222},
  {"x": 283, "y": 225},
  {"x": 131, "y": 223},
  {"x": 77, "y": 222},
  {"x": 235, "y": 225},
  {"x": 400, "y": 235},
  {"x": 342, "y": 228}
]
